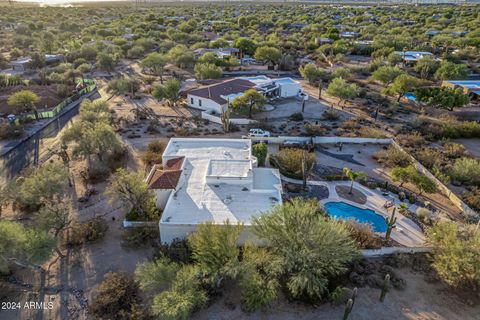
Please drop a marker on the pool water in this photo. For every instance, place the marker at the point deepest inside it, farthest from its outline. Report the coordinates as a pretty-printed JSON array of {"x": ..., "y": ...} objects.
[{"x": 342, "y": 210}]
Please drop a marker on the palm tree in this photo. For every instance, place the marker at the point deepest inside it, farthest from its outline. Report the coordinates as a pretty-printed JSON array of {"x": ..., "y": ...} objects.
[{"x": 352, "y": 175}]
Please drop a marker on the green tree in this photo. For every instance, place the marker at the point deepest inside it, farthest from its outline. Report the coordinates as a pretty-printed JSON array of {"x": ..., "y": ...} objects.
[
  {"x": 26, "y": 248},
  {"x": 426, "y": 66},
  {"x": 105, "y": 61},
  {"x": 170, "y": 91},
  {"x": 443, "y": 97},
  {"x": 403, "y": 174},
  {"x": 249, "y": 102},
  {"x": 260, "y": 151},
  {"x": 245, "y": 45},
  {"x": 386, "y": 74},
  {"x": 343, "y": 91},
  {"x": 156, "y": 62},
  {"x": 204, "y": 71},
  {"x": 451, "y": 71},
  {"x": 353, "y": 175},
  {"x": 455, "y": 254},
  {"x": 124, "y": 85},
  {"x": 268, "y": 54},
  {"x": 215, "y": 249},
  {"x": 25, "y": 100},
  {"x": 310, "y": 72},
  {"x": 130, "y": 189},
  {"x": 402, "y": 84},
  {"x": 310, "y": 249},
  {"x": 42, "y": 184}
]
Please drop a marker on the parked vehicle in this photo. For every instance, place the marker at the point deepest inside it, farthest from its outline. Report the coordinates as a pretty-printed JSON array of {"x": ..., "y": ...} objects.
[{"x": 258, "y": 133}]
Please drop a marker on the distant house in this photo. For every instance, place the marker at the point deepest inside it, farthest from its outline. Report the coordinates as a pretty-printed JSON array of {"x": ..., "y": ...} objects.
[
  {"x": 432, "y": 33},
  {"x": 215, "y": 97},
  {"x": 220, "y": 52},
  {"x": 208, "y": 35},
  {"x": 413, "y": 56},
  {"x": 23, "y": 64},
  {"x": 349, "y": 34},
  {"x": 211, "y": 180},
  {"x": 470, "y": 87}
]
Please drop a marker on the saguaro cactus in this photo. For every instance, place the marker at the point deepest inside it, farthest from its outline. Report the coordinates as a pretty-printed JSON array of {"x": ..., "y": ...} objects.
[
  {"x": 390, "y": 223},
  {"x": 385, "y": 288},
  {"x": 225, "y": 117},
  {"x": 354, "y": 295},
  {"x": 348, "y": 309}
]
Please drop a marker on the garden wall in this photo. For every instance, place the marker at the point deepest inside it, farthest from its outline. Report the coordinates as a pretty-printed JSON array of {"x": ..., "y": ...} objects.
[{"x": 215, "y": 119}]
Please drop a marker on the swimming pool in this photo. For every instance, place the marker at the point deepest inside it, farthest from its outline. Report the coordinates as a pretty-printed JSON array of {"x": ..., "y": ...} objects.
[{"x": 342, "y": 210}]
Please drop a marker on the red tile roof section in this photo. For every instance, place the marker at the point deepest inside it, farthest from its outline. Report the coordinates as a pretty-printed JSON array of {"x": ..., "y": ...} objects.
[
  {"x": 215, "y": 91},
  {"x": 166, "y": 178}
]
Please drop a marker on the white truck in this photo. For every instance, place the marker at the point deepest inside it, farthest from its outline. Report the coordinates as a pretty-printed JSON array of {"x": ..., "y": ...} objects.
[{"x": 258, "y": 133}]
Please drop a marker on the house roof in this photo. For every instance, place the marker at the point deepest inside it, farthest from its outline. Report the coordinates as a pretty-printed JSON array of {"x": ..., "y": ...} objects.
[
  {"x": 225, "y": 88},
  {"x": 174, "y": 164},
  {"x": 164, "y": 179}
]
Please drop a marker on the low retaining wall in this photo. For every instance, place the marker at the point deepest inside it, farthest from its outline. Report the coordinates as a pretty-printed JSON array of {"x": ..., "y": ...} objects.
[
  {"x": 137, "y": 224},
  {"x": 319, "y": 140},
  {"x": 439, "y": 184},
  {"x": 385, "y": 251},
  {"x": 215, "y": 119}
]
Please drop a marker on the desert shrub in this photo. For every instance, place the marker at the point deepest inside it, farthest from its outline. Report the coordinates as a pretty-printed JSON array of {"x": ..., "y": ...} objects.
[
  {"x": 330, "y": 114},
  {"x": 215, "y": 249},
  {"x": 298, "y": 116},
  {"x": 140, "y": 237},
  {"x": 466, "y": 171},
  {"x": 10, "y": 131},
  {"x": 455, "y": 254},
  {"x": 63, "y": 91},
  {"x": 181, "y": 132},
  {"x": 454, "y": 150},
  {"x": 177, "y": 251},
  {"x": 98, "y": 171},
  {"x": 184, "y": 296},
  {"x": 363, "y": 235},
  {"x": 428, "y": 157},
  {"x": 411, "y": 140},
  {"x": 91, "y": 230},
  {"x": 115, "y": 298},
  {"x": 259, "y": 150},
  {"x": 351, "y": 124},
  {"x": 315, "y": 129},
  {"x": 259, "y": 282},
  {"x": 472, "y": 198},
  {"x": 289, "y": 161},
  {"x": 370, "y": 132},
  {"x": 153, "y": 154},
  {"x": 424, "y": 215},
  {"x": 257, "y": 292},
  {"x": 393, "y": 157}
]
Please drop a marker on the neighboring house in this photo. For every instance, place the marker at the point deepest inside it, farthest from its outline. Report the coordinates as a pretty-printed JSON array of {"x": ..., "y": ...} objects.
[
  {"x": 349, "y": 34},
  {"x": 413, "y": 56},
  {"x": 208, "y": 35},
  {"x": 23, "y": 64},
  {"x": 220, "y": 52},
  {"x": 470, "y": 87},
  {"x": 211, "y": 180},
  {"x": 215, "y": 97}
]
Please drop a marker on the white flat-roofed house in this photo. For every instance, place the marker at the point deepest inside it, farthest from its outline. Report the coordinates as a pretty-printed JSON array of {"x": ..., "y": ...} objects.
[
  {"x": 218, "y": 180},
  {"x": 215, "y": 97}
]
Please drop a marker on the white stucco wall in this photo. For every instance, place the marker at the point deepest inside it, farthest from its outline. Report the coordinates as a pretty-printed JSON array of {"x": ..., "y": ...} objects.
[
  {"x": 169, "y": 232},
  {"x": 162, "y": 197},
  {"x": 288, "y": 90},
  {"x": 207, "y": 104}
]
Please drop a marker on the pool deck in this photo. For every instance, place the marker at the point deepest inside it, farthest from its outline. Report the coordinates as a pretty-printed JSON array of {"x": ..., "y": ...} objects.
[{"x": 406, "y": 233}]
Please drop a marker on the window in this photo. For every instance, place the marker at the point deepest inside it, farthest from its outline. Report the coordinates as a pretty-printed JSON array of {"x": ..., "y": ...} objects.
[
  {"x": 191, "y": 100},
  {"x": 199, "y": 102}
]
